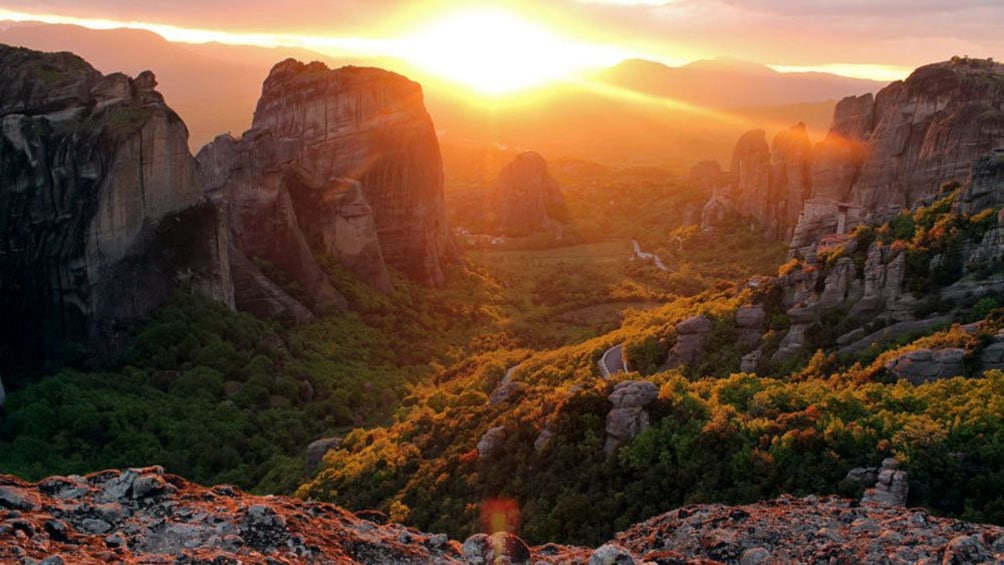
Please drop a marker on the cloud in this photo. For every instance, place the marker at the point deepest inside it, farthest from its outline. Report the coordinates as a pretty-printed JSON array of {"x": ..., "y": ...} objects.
[{"x": 782, "y": 32}]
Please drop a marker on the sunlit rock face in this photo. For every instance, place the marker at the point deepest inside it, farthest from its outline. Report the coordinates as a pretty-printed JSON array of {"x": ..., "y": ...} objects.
[
  {"x": 365, "y": 126},
  {"x": 527, "y": 198},
  {"x": 144, "y": 515},
  {"x": 96, "y": 182},
  {"x": 882, "y": 152}
]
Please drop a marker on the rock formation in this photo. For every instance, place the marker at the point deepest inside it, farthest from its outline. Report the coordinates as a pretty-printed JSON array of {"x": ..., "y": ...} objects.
[
  {"x": 628, "y": 417},
  {"x": 370, "y": 126},
  {"x": 526, "y": 197},
  {"x": 145, "y": 515},
  {"x": 891, "y": 486},
  {"x": 100, "y": 212},
  {"x": 105, "y": 211},
  {"x": 343, "y": 163},
  {"x": 766, "y": 183},
  {"x": 490, "y": 441},
  {"x": 882, "y": 152},
  {"x": 690, "y": 337},
  {"x": 923, "y": 365}
]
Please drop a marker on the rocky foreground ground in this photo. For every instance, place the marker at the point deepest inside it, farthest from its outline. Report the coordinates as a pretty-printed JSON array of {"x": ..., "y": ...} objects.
[{"x": 147, "y": 516}]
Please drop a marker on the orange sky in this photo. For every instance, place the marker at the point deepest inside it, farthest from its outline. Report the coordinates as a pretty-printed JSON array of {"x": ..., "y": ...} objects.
[{"x": 864, "y": 38}]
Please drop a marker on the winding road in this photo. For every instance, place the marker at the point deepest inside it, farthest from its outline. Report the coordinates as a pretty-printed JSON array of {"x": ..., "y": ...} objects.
[
  {"x": 612, "y": 361},
  {"x": 648, "y": 256}
]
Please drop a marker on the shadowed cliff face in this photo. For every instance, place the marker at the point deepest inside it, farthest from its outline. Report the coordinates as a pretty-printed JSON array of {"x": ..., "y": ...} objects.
[
  {"x": 527, "y": 198},
  {"x": 91, "y": 167},
  {"x": 369, "y": 126}
]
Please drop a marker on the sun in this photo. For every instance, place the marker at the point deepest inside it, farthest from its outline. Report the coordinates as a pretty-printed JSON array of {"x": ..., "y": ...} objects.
[{"x": 496, "y": 52}]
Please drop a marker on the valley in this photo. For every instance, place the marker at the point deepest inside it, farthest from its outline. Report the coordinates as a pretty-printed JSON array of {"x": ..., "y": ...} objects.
[{"x": 382, "y": 329}]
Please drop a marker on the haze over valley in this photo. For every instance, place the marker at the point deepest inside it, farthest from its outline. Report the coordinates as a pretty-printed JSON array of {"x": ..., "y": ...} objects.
[{"x": 583, "y": 281}]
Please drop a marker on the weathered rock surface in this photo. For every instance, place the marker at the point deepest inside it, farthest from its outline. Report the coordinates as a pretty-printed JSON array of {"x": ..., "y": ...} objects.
[
  {"x": 883, "y": 152},
  {"x": 915, "y": 135},
  {"x": 339, "y": 163},
  {"x": 527, "y": 198},
  {"x": 490, "y": 441},
  {"x": 983, "y": 190},
  {"x": 317, "y": 450},
  {"x": 369, "y": 126},
  {"x": 147, "y": 516},
  {"x": 766, "y": 183},
  {"x": 691, "y": 334},
  {"x": 891, "y": 487},
  {"x": 628, "y": 417},
  {"x": 923, "y": 365},
  {"x": 810, "y": 530},
  {"x": 100, "y": 212}
]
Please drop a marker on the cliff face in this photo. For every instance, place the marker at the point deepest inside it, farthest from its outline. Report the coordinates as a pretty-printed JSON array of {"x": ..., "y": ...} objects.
[
  {"x": 767, "y": 183},
  {"x": 145, "y": 515},
  {"x": 527, "y": 198},
  {"x": 882, "y": 152},
  {"x": 366, "y": 126},
  {"x": 96, "y": 178}
]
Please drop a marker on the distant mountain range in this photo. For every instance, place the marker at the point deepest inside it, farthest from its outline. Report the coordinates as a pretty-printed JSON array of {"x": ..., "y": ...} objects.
[
  {"x": 725, "y": 83},
  {"x": 214, "y": 88}
]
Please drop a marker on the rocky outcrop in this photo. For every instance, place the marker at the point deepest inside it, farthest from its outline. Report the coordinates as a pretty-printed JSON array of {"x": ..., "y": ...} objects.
[
  {"x": 628, "y": 417},
  {"x": 340, "y": 164},
  {"x": 766, "y": 183},
  {"x": 490, "y": 441},
  {"x": 317, "y": 450},
  {"x": 915, "y": 135},
  {"x": 883, "y": 152},
  {"x": 526, "y": 197},
  {"x": 145, "y": 515},
  {"x": 810, "y": 530},
  {"x": 923, "y": 365},
  {"x": 357, "y": 137},
  {"x": 891, "y": 486},
  {"x": 750, "y": 171},
  {"x": 690, "y": 337},
  {"x": 985, "y": 187},
  {"x": 102, "y": 216}
]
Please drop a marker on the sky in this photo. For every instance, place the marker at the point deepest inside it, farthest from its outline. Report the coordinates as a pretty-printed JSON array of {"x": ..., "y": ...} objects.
[{"x": 866, "y": 38}]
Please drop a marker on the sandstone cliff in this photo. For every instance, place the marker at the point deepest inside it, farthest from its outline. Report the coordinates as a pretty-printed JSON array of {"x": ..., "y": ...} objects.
[
  {"x": 362, "y": 146},
  {"x": 144, "y": 515},
  {"x": 526, "y": 197},
  {"x": 883, "y": 152},
  {"x": 766, "y": 183},
  {"x": 100, "y": 212}
]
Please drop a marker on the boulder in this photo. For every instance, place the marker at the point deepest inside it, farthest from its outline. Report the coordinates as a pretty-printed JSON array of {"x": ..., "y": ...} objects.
[
  {"x": 490, "y": 441},
  {"x": 628, "y": 417},
  {"x": 750, "y": 361},
  {"x": 923, "y": 365},
  {"x": 500, "y": 548},
  {"x": 690, "y": 338},
  {"x": 611, "y": 554},
  {"x": 317, "y": 450},
  {"x": 891, "y": 488}
]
